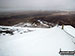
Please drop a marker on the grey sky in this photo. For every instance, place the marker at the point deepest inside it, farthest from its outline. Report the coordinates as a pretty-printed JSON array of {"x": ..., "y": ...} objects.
[{"x": 37, "y": 5}]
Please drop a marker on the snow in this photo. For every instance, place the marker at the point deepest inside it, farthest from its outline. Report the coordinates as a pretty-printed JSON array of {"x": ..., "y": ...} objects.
[
  {"x": 44, "y": 24},
  {"x": 40, "y": 24},
  {"x": 22, "y": 24},
  {"x": 37, "y": 42},
  {"x": 70, "y": 30}
]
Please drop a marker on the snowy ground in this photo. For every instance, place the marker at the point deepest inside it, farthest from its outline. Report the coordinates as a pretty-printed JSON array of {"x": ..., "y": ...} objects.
[{"x": 36, "y": 42}]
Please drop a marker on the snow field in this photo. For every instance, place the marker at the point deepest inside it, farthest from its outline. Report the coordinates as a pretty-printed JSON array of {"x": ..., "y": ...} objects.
[{"x": 39, "y": 42}]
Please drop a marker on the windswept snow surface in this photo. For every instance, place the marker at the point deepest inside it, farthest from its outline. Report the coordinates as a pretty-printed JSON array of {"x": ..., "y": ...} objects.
[{"x": 39, "y": 42}]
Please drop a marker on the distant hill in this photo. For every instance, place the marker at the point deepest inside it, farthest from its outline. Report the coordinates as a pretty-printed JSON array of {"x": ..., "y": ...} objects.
[{"x": 55, "y": 17}]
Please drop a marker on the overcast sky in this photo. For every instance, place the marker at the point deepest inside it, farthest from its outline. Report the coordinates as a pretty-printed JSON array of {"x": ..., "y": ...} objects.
[{"x": 37, "y": 5}]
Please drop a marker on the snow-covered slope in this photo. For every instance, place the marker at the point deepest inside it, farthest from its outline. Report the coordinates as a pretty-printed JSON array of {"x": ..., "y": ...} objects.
[
  {"x": 70, "y": 30},
  {"x": 37, "y": 42},
  {"x": 37, "y": 24}
]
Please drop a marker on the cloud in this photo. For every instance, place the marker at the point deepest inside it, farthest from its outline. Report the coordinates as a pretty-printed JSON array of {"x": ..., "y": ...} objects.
[{"x": 38, "y": 4}]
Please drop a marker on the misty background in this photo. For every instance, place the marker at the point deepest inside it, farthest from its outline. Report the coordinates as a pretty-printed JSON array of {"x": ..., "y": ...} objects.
[{"x": 14, "y": 5}]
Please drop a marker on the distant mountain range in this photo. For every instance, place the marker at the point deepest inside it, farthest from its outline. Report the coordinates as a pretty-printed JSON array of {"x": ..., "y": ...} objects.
[{"x": 54, "y": 17}]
